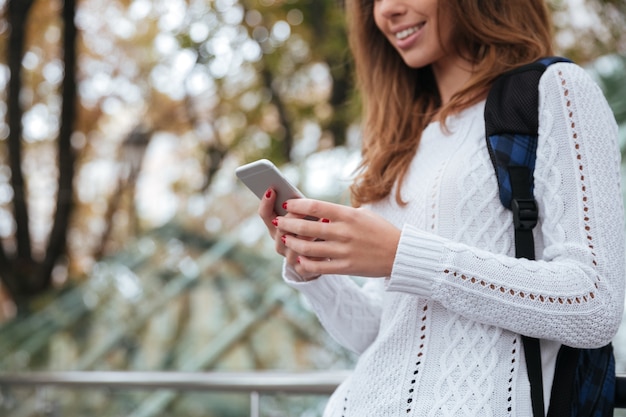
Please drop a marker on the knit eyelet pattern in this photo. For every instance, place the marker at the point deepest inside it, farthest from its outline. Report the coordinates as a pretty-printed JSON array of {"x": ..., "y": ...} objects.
[{"x": 418, "y": 358}]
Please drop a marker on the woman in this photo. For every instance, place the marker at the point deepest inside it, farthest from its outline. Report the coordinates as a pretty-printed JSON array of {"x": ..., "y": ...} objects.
[{"x": 437, "y": 326}]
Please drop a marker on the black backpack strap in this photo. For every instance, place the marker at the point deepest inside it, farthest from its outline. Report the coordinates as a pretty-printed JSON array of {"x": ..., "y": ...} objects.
[
  {"x": 511, "y": 125},
  {"x": 525, "y": 212},
  {"x": 562, "y": 395},
  {"x": 525, "y": 215}
]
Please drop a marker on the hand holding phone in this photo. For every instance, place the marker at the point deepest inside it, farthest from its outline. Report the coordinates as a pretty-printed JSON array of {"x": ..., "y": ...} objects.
[{"x": 263, "y": 174}]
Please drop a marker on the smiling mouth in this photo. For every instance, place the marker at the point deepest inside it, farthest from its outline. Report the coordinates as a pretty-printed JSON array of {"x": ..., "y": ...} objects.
[{"x": 403, "y": 34}]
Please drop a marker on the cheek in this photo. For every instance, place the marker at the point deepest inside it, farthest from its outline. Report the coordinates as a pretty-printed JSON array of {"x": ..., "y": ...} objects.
[
  {"x": 445, "y": 29},
  {"x": 381, "y": 26},
  {"x": 378, "y": 20},
  {"x": 446, "y": 45}
]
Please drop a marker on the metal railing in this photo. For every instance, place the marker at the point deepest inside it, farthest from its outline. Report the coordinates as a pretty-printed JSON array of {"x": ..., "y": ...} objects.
[
  {"x": 255, "y": 383},
  {"x": 313, "y": 382}
]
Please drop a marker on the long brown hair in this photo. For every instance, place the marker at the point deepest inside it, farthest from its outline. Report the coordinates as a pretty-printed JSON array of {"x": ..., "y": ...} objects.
[{"x": 399, "y": 101}]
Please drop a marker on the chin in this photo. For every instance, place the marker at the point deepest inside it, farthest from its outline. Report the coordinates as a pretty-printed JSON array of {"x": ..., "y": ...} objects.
[{"x": 416, "y": 62}]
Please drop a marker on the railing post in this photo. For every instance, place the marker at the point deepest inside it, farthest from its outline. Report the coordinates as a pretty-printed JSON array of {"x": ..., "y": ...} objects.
[{"x": 254, "y": 404}]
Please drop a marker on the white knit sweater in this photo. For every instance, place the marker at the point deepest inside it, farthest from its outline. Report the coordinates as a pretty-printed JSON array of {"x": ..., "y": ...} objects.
[{"x": 440, "y": 336}]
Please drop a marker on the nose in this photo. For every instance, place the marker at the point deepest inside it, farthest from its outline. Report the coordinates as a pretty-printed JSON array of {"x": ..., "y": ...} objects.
[{"x": 390, "y": 8}]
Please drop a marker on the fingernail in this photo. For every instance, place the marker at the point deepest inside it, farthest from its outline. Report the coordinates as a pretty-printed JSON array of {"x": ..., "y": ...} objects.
[
  {"x": 284, "y": 239},
  {"x": 275, "y": 221},
  {"x": 325, "y": 221},
  {"x": 285, "y": 205},
  {"x": 268, "y": 193}
]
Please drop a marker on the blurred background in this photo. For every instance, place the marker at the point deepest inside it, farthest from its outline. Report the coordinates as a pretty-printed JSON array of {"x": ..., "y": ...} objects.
[{"x": 126, "y": 242}]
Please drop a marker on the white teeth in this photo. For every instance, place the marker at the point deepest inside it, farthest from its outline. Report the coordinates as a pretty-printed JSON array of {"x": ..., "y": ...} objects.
[{"x": 407, "y": 32}]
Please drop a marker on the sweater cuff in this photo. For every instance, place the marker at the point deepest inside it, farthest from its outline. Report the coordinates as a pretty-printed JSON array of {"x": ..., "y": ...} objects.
[
  {"x": 319, "y": 291},
  {"x": 418, "y": 259},
  {"x": 290, "y": 275}
]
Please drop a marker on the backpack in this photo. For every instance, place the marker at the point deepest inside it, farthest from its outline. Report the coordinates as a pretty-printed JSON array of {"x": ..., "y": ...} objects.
[{"x": 584, "y": 380}]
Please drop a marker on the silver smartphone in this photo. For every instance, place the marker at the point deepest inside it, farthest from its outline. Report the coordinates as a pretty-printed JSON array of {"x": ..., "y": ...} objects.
[{"x": 263, "y": 174}]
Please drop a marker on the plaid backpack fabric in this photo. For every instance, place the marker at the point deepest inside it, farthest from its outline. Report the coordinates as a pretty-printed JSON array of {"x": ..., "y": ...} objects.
[{"x": 584, "y": 381}]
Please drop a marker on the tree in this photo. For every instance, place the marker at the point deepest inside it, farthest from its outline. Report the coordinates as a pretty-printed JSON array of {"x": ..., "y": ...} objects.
[
  {"x": 589, "y": 29},
  {"x": 215, "y": 81},
  {"x": 160, "y": 106},
  {"x": 22, "y": 274}
]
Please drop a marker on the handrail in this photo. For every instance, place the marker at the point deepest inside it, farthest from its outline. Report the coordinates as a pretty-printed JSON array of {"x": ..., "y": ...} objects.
[
  {"x": 255, "y": 382},
  {"x": 310, "y": 382}
]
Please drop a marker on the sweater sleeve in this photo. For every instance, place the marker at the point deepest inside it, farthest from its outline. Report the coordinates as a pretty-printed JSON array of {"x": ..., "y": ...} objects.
[
  {"x": 574, "y": 292},
  {"x": 349, "y": 312}
]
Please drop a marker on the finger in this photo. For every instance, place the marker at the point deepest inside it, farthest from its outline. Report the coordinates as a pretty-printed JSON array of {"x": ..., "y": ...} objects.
[
  {"x": 315, "y": 266},
  {"x": 279, "y": 246},
  {"x": 304, "y": 207},
  {"x": 310, "y": 248},
  {"x": 292, "y": 258},
  {"x": 266, "y": 209},
  {"x": 293, "y": 226},
  {"x": 290, "y": 255}
]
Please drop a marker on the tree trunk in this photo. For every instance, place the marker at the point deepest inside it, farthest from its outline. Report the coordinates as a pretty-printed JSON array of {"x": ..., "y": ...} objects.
[
  {"x": 287, "y": 139},
  {"x": 17, "y": 14},
  {"x": 23, "y": 276},
  {"x": 58, "y": 236}
]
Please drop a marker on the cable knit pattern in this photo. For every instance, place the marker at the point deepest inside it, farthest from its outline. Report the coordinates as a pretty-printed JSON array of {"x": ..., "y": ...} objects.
[{"x": 440, "y": 336}]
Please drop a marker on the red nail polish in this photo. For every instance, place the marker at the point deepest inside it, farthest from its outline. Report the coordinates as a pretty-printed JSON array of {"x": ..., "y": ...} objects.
[
  {"x": 268, "y": 193},
  {"x": 275, "y": 221},
  {"x": 325, "y": 221},
  {"x": 285, "y": 205}
]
